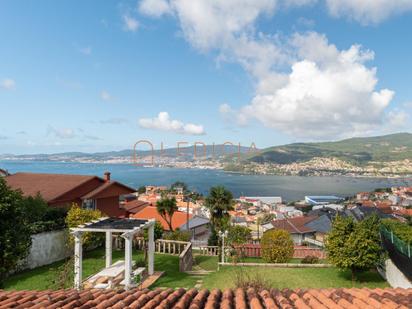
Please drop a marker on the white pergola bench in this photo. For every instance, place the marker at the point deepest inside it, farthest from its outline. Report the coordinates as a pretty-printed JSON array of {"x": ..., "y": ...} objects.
[{"x": 128, "y": 229}]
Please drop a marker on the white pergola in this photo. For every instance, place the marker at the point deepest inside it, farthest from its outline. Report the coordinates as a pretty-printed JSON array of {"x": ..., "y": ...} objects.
[{"x": 128, "y": 228}]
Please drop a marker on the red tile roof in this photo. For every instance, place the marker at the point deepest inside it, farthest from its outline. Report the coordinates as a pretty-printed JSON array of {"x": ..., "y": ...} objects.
[
  {"x": 294, "y": 225},
  {"x": 134, "y": 206},
  {"x": 50, "y": 186},
  {"x": 53, "y": 186},
  {"x": 195, "y": 299},
  {"x": 150, "y": 212}
]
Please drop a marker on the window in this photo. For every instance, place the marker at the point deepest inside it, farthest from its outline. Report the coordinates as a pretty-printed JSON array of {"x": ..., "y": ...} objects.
[{"x": 89, "y": 204}]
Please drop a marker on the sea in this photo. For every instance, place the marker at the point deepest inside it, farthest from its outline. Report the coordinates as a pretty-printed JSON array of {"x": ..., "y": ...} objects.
[{"x": 290, "y": 188}]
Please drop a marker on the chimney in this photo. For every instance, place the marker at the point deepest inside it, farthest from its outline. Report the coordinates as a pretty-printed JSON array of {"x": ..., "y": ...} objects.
[{"x": 107, "y": 176}]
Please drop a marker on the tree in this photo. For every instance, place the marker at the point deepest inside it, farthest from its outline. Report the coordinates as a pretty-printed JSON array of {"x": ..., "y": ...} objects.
[
  {"x": 166, "y": 208},
  {"x": 179, "y": 184},
  {"x": 276, "y": 246},
  {"x": 15, "y": 238},
  {"x": 219, "y": 202},
  {"x": 354, "y": 246},
  {"x": 238, "y": 235},
  {"x": 141, "y": 189},
  {"x": 77, "y": 216}
]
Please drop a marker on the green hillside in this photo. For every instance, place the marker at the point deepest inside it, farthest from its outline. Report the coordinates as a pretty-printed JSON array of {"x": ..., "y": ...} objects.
[{"x": 359, "y": 151}]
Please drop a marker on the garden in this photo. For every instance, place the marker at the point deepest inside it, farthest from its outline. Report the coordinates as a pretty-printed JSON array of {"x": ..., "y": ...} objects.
[{"x": 46, "y": 277}]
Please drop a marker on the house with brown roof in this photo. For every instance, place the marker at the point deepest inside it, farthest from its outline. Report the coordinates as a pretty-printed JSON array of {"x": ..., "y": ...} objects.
[
  {"x": 296, "y": 226},
  {"x": 62, "y": 190}
]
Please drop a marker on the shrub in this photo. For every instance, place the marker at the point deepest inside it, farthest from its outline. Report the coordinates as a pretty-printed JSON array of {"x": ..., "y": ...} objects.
[
  {"x": 15, "y": 240},
  {"x": 238, "y": 235},
  {"x": 245, "y": 280},
  {"x": 402, "y": 230},
  {"x": 177, "y": 235},
  {"x": 158, "y": 231},
  {"x": 77, "y": 216},
  {"x": 277, "y": 246},
  {"x": 310, "y": 259}
]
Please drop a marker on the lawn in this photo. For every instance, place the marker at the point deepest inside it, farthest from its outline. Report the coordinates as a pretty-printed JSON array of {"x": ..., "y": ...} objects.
[
  {"x": 44, "y": 277},
  {"x": 292, "y": 277}
]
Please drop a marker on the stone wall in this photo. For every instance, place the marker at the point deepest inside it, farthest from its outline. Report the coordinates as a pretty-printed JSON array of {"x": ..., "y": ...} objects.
[
  {"x": 47, "y": 248},
  {"x": 395, "y": 277}
]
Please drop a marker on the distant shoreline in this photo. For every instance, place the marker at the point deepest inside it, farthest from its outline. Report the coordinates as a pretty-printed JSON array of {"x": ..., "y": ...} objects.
[{"x": 206, "y": 168}]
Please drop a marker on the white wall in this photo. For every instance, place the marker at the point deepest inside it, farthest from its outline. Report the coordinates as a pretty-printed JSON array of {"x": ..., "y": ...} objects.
[
  {"x": 47, "y": 248},
  {"x": 395, "y": 277}
]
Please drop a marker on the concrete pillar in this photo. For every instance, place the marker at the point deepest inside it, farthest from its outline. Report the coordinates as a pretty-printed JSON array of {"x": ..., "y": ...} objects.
[
  {"x": 78, "y": 256},
  {"x": 109, "y": 242},
  {"x": 128, "y": 262},
  {"x": 151, "y": 249}
]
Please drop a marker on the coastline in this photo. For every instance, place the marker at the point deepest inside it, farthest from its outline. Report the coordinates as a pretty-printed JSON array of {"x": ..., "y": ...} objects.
[{"x": 202, "y": 167}]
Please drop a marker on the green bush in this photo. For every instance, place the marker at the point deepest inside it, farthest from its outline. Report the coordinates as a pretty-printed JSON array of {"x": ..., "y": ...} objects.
[
  {"x": 238, "y": 235},
  {"x": 177, "y": 235},
  {"x": 77, "y": 216},
  {"x": 15, "y": 240},
  {"x": 402, "y": 230},
  {"x": 310, "y": 259},
  {"x": 277, "y": 246}
]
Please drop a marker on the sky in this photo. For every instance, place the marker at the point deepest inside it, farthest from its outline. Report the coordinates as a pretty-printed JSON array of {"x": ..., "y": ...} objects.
[{"x": 101, "y": 75}]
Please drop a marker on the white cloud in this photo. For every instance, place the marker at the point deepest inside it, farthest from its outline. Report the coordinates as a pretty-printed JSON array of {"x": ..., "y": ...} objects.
[
  {"x": 86, "y": 50},
  {"x": 63, "y": 133},
  {"x": 130, "y": 23},
  {"x": 163, "y": 123},
  {"x": 398, "y": 118},
  {"x": 155, "y": 8},
  {"x": 305, "y": 86},
  {"x": 328, "y": 93},
  {"x": 368, "y": 11},
  {"x": 105, "y": 96},
  {"x": 8, "y": 84}
]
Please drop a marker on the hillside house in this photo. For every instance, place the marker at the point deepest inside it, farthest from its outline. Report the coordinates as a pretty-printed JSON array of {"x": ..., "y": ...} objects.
[{"x": 62, "y": 190}]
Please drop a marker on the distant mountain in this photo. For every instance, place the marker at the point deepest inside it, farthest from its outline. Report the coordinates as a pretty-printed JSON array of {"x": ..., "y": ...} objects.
[
  {"x": 360, "y": 150},
  {"x": 184, "y": 153}
]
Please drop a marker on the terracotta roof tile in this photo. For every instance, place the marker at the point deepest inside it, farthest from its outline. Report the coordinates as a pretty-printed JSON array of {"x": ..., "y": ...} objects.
[
  {"x": 150, "y": 212},
  {"x": 194, "y": 299}
]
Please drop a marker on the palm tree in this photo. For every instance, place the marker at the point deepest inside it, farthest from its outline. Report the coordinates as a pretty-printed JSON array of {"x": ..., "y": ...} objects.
[
  {"x": 219, "y": 202},
  {"x": 166, "y": 208}
]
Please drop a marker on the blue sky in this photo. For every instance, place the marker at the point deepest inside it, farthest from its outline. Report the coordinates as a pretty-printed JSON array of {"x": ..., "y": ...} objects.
[{"x": 100, "y": 75}]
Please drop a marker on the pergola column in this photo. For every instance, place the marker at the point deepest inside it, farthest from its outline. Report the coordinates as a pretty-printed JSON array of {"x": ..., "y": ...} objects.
[
  {"x": 128, "y": 261},
  {"x": 151, "y": 249},
  {"x": 109, "y": 242},
  {"x": 78, "y": 256}
]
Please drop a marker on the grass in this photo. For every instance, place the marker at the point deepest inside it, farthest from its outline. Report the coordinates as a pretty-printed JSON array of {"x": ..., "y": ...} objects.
[
  {"x": 43, "y": 277},
  {"x": 293, "y": 278}
]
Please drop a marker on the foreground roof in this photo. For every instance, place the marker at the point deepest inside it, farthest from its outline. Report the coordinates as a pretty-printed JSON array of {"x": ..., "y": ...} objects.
[{"x": 181, "y": 298}]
